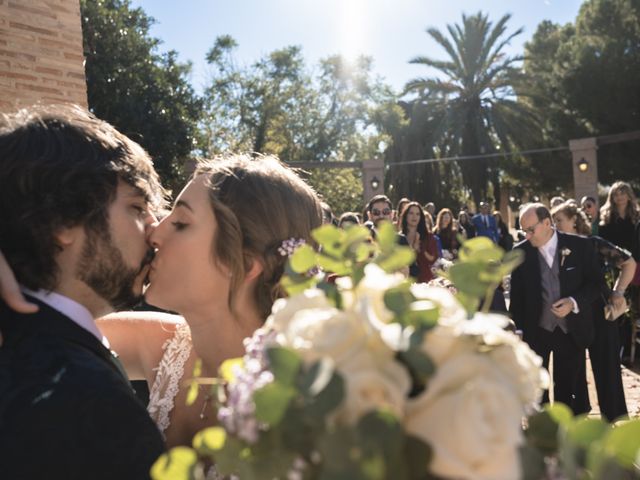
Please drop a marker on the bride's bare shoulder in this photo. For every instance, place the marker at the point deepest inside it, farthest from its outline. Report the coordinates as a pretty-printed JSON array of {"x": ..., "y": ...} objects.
[{"x": 138, "y": 337}]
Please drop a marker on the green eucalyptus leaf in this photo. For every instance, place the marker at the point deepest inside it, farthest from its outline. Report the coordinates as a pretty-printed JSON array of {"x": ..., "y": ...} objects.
[
  {"x": 419, "y": 362},
  {"x": 622, "y": 443},
  {"x": 303, "y": 259},
  {"x": 542, "y": 431},
  {"x": 324, "y": 396},
  {"x": 398, "y": 299},
  {"x": 330, "y": 239},
  {"x": 210, "y": 440},
  {"x": 396, "y": 259},
  {"x": 386, "y": 236},
  {"x": 465, "y": 276},
  {"x": 284, "y": 363},
  {"x": 480, "y": 249},
  {"x": 177, "y": 463},
  {"x": 294, "y": 284},
  {"x": 532, "y": 462},
  {"x": 334, "y": 265},
  {"x": 272, "y": 402},
  {"x": 422, "y": 314}
]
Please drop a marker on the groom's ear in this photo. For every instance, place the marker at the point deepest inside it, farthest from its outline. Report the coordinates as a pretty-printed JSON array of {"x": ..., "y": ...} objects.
[{"x": 67, "y": 236}]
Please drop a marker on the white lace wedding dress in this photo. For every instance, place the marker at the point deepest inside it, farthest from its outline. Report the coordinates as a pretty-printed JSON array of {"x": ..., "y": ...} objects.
[{"x": 165, "y": 387}]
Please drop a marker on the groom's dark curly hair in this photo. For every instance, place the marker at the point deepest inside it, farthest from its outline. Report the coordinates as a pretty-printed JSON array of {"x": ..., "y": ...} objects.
[{"x": 59, "y": 167}]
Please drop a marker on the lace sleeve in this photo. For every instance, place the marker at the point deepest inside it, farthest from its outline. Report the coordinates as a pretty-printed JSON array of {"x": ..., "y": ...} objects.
[
  {"x": 170, "y": 371},
  {"x": 611, "y": 256}
]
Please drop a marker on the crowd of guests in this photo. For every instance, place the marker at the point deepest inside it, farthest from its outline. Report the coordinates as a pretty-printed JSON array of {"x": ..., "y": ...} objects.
[
  {"x": 433, "y": 234},
  {"x": 612, "y": 236}
]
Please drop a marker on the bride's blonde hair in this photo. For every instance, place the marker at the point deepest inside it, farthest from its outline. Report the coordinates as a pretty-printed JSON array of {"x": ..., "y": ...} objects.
[{"x": 258, "y": 203}]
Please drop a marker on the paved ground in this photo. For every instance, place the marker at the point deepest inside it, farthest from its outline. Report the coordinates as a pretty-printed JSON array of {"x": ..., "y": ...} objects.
[{"x": 631, "y": 380}]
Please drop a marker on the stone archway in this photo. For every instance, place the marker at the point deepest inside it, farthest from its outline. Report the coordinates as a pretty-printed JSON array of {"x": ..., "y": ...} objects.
[{"x": 584, "y": 152}]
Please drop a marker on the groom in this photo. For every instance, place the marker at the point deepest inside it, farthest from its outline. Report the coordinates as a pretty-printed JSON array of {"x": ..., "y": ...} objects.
[
  {"x": 75, "y": 201},
  {"x": 552, "y": 294}
]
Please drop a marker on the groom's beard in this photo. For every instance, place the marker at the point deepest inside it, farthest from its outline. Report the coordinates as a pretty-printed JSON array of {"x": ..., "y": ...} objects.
[{"x": 103, "y": 268}]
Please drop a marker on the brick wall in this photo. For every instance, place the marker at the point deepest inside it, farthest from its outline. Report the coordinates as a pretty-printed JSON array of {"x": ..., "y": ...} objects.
[{"x": 41, "y": 57}]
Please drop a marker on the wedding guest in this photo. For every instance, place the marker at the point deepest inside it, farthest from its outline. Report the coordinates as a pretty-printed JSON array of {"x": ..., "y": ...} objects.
[
  {"x": 379, "y": 210},
  {"x": 619, "y": 215},
  {"x": 552, "y": 295},
  {"x": 464, "y": 224},
  {"x": 604, "y": 351},
  {"x": 220, "y": 254},
  {"x": 505, "y": 238},
  {"x": 430, "y": 208},
  {"x": 590, "y": 208},
  {"x": 77, "y": 197},
  {"x": 399, "y": 208},
  {"x": 485, "y": 224},
  {"x": 422, "y": 241},
  {"x": 555, "y": 201},
  {"x": 348, "y": 219},
  {"x": 447, "y": 232}
]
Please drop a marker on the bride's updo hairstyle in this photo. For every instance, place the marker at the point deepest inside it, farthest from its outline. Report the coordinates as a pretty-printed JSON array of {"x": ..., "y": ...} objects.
[{"x": 258, "y": 202}]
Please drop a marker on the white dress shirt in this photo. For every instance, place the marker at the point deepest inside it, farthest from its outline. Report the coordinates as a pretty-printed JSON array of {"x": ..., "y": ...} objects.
[
  {"x": 548, "y": 250},
  {"x": 78, "y": 313}
]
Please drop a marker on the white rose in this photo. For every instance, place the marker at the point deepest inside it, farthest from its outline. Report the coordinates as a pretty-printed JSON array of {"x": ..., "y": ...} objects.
[
  {"x": 372, "y": 382},
  {"x": 451, "y": 311},
  {"x": 471, "y": 415},
  {"x": 370, "y": 293},
  {"x": 327, "y": 332},
  {"x": 285, "y": 308}
]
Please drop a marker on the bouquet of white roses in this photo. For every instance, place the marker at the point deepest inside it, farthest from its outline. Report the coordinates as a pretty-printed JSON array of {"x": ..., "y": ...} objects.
[{"x": 373, "y": 377}]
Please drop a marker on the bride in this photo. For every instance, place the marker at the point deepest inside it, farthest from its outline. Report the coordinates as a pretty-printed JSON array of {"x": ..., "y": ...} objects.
[{"x": 218, "y": 264}]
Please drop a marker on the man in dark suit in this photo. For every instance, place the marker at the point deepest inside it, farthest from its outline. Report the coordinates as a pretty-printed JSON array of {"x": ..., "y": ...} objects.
[
  {"x": 76, "y": 202},
  {"x": 552, "y": 294},
  {"x": 485, "y": 224}
]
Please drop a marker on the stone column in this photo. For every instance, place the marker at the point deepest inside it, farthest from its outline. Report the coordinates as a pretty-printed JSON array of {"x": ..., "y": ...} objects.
[
  {"x": 372, "y": 175},
  {"x": 584, "y": 154},
  {"x": 41, "y": 55}
]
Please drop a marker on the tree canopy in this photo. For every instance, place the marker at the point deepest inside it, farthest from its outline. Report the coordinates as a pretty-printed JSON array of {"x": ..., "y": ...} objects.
[{"x": 143, "y": 93}]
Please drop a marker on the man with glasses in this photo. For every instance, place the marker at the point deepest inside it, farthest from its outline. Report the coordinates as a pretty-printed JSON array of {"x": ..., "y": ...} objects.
[
  {"x": 552, "y": 293},
  {"x": 378, "y": 210},
  {"x": 590, "y": 207}
]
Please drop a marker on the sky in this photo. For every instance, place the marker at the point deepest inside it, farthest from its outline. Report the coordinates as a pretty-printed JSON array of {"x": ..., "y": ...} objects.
[{"x": 390, "y": 31}]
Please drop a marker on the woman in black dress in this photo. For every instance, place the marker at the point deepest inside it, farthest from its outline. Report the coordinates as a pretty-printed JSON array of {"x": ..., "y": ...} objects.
[
  {"x": 604, "y": 351},
  {"x": 619, "y": 215}
]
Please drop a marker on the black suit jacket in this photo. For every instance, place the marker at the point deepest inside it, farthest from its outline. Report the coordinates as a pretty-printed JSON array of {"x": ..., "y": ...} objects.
[
  {"x": 580, "y": 278},
  {"x": 66, "y": 411}
]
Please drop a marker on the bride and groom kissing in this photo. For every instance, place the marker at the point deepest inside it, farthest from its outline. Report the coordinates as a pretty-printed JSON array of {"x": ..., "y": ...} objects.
[{"x": 77, "y": 226}]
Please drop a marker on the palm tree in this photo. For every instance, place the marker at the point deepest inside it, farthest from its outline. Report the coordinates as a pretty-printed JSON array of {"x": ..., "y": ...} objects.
[{"x": 472, "y": 99}]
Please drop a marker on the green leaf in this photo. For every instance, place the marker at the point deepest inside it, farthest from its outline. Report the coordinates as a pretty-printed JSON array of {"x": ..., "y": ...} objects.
[
  {"x": 532, "y": 461},
  {"x": 419, "y": 362},
  {"x": 396, "y": 259},
  {"x": 542, "y": 431},
  {"x": 398, "y": 299},
  {"x": 284, "y": 363},
  {"x": 466, "y": 278},
  {"x": 296, "y": 283},
  {"x": 330, "y": 239},
  {"x": 480, "y": 249},
  {"x": 323, "y": 401},
  {"x": 210, "y": 440},
  {"x": 272, "y": 402},
  {"x": 622, "y": 443},
  {"x": 178, "y": 463},
  {"x": 334, "y": 265},
  {"x": 422, "y": 314},
  {"x": 303, "y": 259},
  {"x": 386, "y": 236}
]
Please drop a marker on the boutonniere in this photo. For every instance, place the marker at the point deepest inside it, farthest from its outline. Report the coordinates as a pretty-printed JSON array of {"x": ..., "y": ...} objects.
[{"x": 565, "y": 252}]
